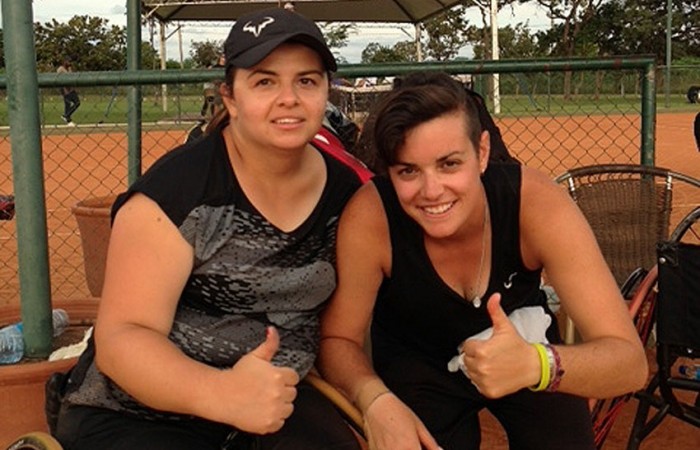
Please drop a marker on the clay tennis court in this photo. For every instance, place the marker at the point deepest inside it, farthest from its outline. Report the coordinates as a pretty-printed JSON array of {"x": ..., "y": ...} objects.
[
  {"x": 79, "y": 166},
  {"x": 74, "y": 171},
  {"x": 76, "y": 166}
]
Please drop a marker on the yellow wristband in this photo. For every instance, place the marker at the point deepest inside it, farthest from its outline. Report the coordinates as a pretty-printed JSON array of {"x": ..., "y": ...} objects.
[{"x": 544, "y": 368}]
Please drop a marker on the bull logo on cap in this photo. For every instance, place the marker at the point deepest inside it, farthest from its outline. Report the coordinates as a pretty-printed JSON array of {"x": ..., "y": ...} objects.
[{"x": 257, "y": 29}]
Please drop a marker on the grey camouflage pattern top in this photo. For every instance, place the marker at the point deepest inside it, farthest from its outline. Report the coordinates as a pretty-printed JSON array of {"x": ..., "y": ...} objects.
[{"x": 247, "y": 274}]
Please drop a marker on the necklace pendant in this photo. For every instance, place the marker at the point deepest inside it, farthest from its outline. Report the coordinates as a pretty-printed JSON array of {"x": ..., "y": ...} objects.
[{"x": 476, "y": 301}]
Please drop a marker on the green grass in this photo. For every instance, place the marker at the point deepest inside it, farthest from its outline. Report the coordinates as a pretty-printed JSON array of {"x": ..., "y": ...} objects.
[
  {"x": 556, "y": 105},
  {"x": 95, "y": 107}
]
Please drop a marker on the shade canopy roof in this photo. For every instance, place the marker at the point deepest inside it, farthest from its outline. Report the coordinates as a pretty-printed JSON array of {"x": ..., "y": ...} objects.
[{"x": 408, "y": 11}]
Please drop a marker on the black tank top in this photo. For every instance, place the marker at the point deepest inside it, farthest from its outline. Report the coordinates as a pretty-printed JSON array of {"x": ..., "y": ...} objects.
[{"x": 417, "y": 314}]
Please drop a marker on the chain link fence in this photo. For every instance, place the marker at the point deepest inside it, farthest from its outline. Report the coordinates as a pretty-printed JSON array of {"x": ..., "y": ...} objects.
[
  {"x": 598, "y": 122},
  {"x": 550, "y": 120},
  {"x": 683, "y": 87}
]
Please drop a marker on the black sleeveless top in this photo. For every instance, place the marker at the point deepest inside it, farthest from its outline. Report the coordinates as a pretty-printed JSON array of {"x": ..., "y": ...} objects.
[
  {"x": 417, "y": 314},
  {"x": 247, "y": 275}
]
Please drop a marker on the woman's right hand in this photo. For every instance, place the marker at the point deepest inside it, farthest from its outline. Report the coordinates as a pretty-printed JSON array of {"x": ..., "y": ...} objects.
[
  {"x": 258, "y": 396},
  {"x": 391, "y": 425}
]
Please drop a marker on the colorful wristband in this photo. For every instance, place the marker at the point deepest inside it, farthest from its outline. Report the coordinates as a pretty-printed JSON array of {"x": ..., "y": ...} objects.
[
  {"x": 556, "y": 370},
  {"x": 545, "y": 368}
]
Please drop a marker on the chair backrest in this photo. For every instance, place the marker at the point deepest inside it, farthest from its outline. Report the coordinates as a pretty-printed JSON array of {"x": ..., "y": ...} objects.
[{"x": 629, "y": 209}]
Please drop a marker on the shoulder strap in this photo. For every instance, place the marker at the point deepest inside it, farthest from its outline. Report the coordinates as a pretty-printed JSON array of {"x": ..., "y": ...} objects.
[{"x": 329, "y": 143}]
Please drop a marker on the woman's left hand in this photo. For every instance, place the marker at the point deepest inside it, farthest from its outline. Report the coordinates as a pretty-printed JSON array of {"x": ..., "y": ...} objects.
[{"x": 504, "y": 363}]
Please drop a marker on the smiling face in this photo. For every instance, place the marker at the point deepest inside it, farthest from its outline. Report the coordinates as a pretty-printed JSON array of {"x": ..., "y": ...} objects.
[
  {"x": 437, "y": 175},
  {"x": 279, "y": 103}
]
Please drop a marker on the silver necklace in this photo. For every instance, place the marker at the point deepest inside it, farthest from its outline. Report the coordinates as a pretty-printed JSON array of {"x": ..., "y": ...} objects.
[{"x": 476, "y": 300}]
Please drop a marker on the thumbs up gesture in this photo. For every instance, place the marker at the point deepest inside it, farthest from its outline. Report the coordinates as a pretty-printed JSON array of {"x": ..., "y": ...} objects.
[
  {"x": 259, "y": 394},
  {"x": 504, "y": 363},
  {"x": 266, "y": 351}
]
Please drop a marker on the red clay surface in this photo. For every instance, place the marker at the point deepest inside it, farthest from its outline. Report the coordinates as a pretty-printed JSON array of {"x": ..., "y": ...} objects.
[
  {"x": 75, "y": 171},
  {"x": 78, "y": 166}
]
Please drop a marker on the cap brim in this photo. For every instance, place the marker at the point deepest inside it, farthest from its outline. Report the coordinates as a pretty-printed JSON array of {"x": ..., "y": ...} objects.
[{"x": 256, "y": 54}]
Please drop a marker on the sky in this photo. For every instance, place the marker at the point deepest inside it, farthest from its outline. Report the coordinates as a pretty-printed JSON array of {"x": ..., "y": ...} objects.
[{"x": 115, "y": 12}]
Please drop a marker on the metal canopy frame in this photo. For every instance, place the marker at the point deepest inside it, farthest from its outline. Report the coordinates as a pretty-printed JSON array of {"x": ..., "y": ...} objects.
[{"x": 406, "y": 11}]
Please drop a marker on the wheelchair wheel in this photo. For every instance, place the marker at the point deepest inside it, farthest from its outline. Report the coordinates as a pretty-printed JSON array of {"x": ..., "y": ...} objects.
[
  {"x": 35, "y": 441},
  {"x": 688, "y": 230}
]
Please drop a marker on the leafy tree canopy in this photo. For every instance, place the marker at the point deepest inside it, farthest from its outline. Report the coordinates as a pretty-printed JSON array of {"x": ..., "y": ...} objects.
[
  {"x": 445, "y": 34},
  {"x": 404, "y": 51},
  {"x": 623, "y": 27},
  {"x": 206, "y": 53},
  {"x": 337, "y": 35},
  {"x": 90, "y": 42},
  {"x": 514, "y": 42}
]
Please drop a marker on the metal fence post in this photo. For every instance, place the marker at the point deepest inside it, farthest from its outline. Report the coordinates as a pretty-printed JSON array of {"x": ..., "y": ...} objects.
[
  {"x": 28, "y": 177},
  {"x": 133, "y": 62},
  {"x": 648, "y": 125}
]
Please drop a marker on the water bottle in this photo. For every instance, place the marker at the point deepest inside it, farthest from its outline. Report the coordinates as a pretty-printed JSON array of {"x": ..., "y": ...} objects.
[
  {"x": 690, "y": 371},
  {"x": 12, "y": 344},
  {"x": 60, "y": 321}
]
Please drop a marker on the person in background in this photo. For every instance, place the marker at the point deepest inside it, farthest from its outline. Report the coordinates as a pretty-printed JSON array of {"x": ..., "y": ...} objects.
[
  {"x": 220, "y": 64},
  {"x": 211, "y": 89},
  {"x": 212, "y": 104},
  {"x": 220, "y": 259},
  {"x": 443, "y": 253},
  {"x": 71, "y": 100}
]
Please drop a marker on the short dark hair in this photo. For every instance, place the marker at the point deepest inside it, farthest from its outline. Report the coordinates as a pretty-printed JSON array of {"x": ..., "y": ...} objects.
[{"x": 416, "y": 99}]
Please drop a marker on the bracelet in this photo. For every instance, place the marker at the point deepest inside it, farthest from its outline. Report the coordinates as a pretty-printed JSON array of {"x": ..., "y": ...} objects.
[
  {"x": 556, "y": 370},
  {"x": 369, "y": 393},
  {"x": 374, "y": 399},
  {"x": 545, "y": 368}
]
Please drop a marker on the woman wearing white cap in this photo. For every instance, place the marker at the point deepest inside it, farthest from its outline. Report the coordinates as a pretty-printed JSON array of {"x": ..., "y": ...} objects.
[{"x": 221, "y": 257}]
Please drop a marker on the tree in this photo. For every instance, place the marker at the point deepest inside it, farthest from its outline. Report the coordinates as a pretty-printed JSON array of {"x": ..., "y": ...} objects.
[
  {"x": 573, "y": 14},
  {"x": 445, "y": 34},
  {"x": 407, "y": 50},
  {"x": 150, "y": 60},
  {"x": 514, "y": 42},
  {"x": 206, "y": 53},
  {"x": 404, "y": 51},
  {"x": 90, "y": 42},
  {"x": 172, "y": 64},
  {"x": 337, "y": 35},
  {"x": 485, "y": 31},
  {"x": 444, "y": 38},
  {"x": 624, "y": 27}
]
